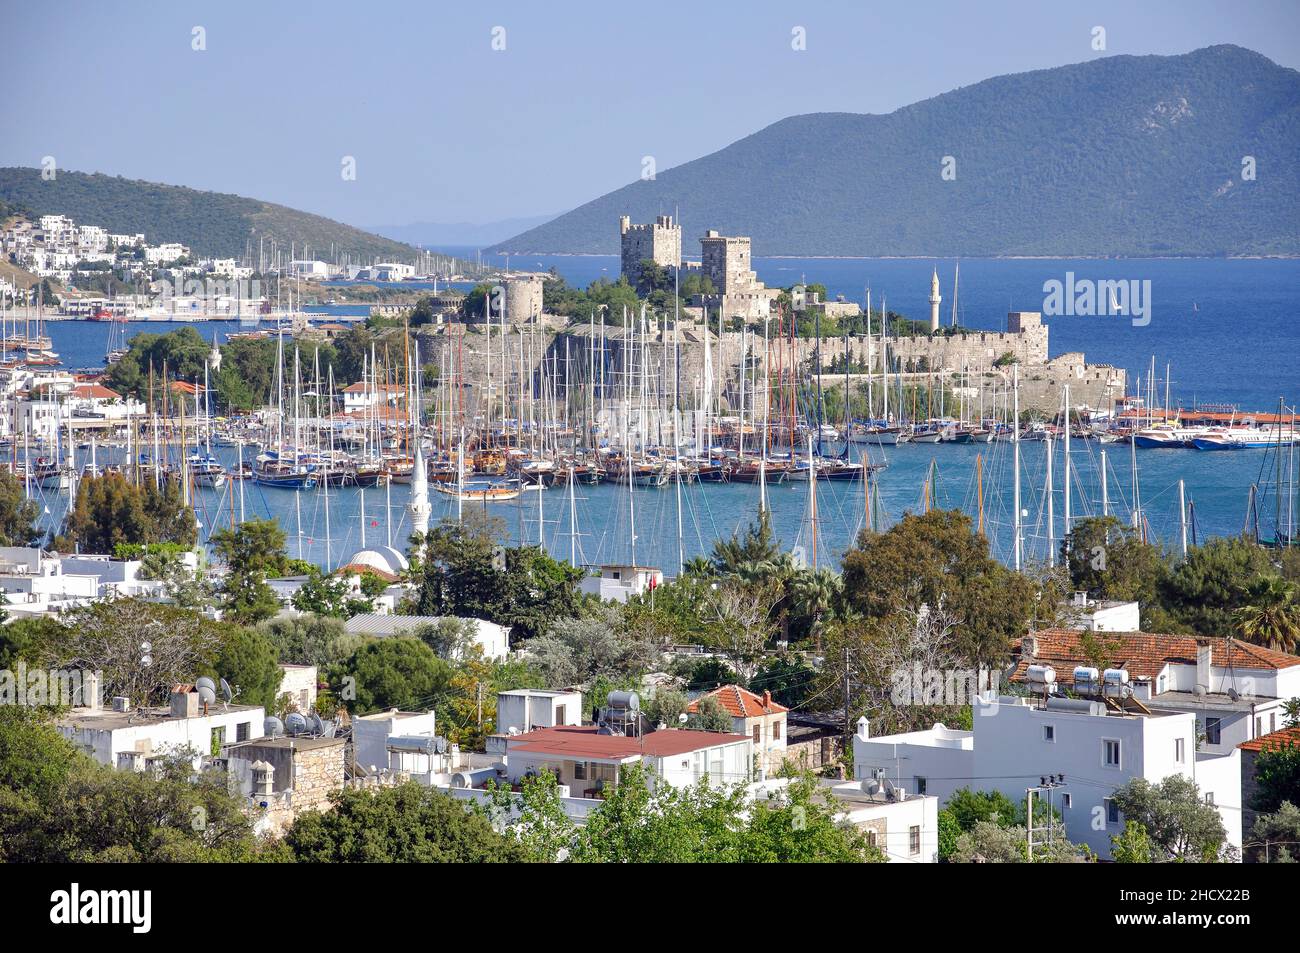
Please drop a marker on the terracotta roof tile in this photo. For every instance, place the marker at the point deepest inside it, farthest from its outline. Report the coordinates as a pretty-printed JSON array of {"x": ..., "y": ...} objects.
[
  {"x": 740, "y": 702},
  {"x": 1274, "y": 739},
  {"x": 585, "y": 741},
  {"x": 1145, "y": 654}
]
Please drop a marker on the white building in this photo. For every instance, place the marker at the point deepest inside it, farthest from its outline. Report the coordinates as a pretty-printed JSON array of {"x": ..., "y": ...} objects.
[
  {"x": 621, "y": 583},
  {"x": 129, "y": 738},
  {"x": 901, "y": 824},
  {"x": 371, "y": 735},
  {"x": 757, "y": 716},
  {"x": 1236, "y": 690},
  {"x": 521, "y": 710},
  {"x": 1098, "y": 746},
  {"x": 1103, "y": 615},
  {"x": 491, "y": 638}
]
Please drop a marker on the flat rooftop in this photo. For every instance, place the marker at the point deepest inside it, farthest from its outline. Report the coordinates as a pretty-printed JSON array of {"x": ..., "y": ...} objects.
[{"x": 109, "y": 720}]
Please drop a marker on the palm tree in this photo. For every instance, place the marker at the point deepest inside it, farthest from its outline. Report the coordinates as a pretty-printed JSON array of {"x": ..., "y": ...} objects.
[
  {"x": 816, "y": 594},
  {"x": 1271, "y": 615}
]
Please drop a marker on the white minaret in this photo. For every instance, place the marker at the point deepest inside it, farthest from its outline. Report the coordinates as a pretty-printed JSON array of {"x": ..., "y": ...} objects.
[
  {"x": 418, "y": 507},
  {"x": 935, "y": 298}
]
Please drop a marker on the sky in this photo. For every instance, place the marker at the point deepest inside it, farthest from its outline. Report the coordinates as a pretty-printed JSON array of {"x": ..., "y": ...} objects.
[{"x": 444, "y": 125}]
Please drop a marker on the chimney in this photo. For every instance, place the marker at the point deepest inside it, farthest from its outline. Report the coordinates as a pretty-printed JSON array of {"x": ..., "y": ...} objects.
[
  {"x": 767, "y": 698},
  {"x": 864, "y": 728},
  {"x": 1203, "y": 656},
  {"x": 1029, "y": 647}
]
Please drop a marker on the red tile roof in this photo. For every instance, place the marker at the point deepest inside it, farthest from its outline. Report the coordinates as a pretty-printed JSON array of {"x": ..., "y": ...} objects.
[
  {"x": 585, "y": 743},
  {"x": 740, "y": 702},
  {"x": 1275, "y": 739},
  {"x": 95, "y": 391},
  {"x": 1145, "y": 654}
]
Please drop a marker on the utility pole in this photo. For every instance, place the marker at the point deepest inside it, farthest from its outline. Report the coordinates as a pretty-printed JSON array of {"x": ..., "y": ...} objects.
[
  {"x": 1046, "y": 784},
  {"x": 847, "y": 729}
]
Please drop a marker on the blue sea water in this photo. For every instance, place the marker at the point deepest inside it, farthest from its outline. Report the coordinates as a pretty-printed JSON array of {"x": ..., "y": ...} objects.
[{"x": 1227, "y": 329}]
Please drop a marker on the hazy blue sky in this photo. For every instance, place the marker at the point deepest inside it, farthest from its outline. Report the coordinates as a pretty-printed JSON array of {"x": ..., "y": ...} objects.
[{"x": 446, "y": 129}]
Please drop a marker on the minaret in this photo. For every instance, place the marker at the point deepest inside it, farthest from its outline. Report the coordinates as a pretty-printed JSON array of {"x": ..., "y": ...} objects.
[
  {"x": 418, "y": 507},
  {"x": 935, "y": 298}
]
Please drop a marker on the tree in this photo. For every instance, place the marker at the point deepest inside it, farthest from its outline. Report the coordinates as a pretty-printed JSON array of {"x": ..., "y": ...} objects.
[
  {"x": 754, "y": 547},
  {"x": 706, "y": 824},
  {"x": 463, "y": 570},
  {"x": 949, "y": 834},
  {"x": 187, "y": 588},
  {"x": 310, "y": 640},
  {"x": 937, "y": 560},
  {"x": 330, "y": 596},
  {"x": 709, "y": 715},
  {"x": 577, "y": 651},
  {"x": 1110, "y": 560},
  {"x": 400, "y": 672},
  {"x": 967, "y": 808},
  {"x": 1275, "y": 837},
  {"x": 1133, "y": 846},
  {"x": 408, "y": 823},
  {"x": 1277, "y": 777},
  {"x": 246, "y": 659},
  {"x": 990, "y": 843},
  {"x": 58, "y": 806},
  {"x": 110, "y": 511},
  {"x": 1271, "y": 615},
  {"x": 18, "y": 514},
  {"x": 1178, "y": 822},
  {"x": 534, "y": 817},
  {"x": 1204, "y": 590},
  {"x": 115, "y": 637},
  {"x": 252, "y": 552}
]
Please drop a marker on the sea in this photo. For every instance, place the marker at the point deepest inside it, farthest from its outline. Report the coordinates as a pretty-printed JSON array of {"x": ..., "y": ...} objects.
[{"x": 1223, "y": 332}]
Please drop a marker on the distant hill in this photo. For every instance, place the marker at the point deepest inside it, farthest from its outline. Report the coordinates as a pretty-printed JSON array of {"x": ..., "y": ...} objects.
[
  {"x": 452, "y": 234},
  {"x": 211, "y": 223},
  {"x": 1125, "y": 155}
]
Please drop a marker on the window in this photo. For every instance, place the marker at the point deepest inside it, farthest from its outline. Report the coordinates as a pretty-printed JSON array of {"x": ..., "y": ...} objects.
[
  {"x": 1049, "y": 733},
  {"x": 914, "y": 839},
  {"x": 579, "y": 770},
  {"x": 559, "y": 715},
  {"x": 1067, "y": 801},
  {"x": 1179, "y": 750},
  {"x": 218, "y": 739},
  {"x": 241, "y": 731},
  {"x": 1209, "y": 798},
  {"x": 758, "y": 734},
  {"x": 1259, "y": 726},
  {"x": 920, "y": 785},
  {"x": 1112, "y": 812},
  {"x": 776, "y": 731},
  {"x": 1213, "y": 730},
  {"x": 1110, "y": 756},
  {"x": 1272, "y": 722}
]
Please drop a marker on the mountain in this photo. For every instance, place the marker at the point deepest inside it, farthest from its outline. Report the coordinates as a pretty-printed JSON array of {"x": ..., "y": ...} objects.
[
  {"x": 1120, "y": 156},
  {"x": 212, "y": 224},
  {"x": 463, "y": 234}
]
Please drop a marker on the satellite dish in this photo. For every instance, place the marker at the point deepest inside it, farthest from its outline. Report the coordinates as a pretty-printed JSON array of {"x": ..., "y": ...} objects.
[
  {"x": 273, "y": 727},
  {"x": 328, "y": 729},
  {"x": 440, "y": 745},
  {"x": 295, "y": 724},
  {"x": 207, "y": 683},
  {"x": 206, "y": 695},
  {"x": 226, "y": 692},
  {"x": 315, "y": 724}
]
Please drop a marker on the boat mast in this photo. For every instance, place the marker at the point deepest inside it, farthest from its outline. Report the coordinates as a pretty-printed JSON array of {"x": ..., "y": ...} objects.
[{"x": 1015, "y": 452}]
